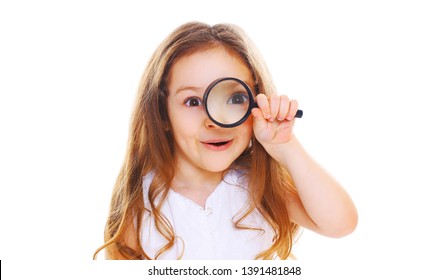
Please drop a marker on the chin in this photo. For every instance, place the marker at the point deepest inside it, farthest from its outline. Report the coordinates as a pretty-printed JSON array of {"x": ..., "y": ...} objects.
[
  {"x": 220, "y": 162},
  {"x": 217, "y": 166},
  {"x": 217, "y": 169}
]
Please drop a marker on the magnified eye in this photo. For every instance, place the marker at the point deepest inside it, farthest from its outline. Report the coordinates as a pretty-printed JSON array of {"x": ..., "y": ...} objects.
[
  {"x": 238, "y": 98},
  {"x": 193, "y": 102}
]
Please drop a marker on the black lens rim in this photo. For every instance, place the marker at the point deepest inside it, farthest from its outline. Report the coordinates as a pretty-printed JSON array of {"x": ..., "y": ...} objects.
[{"x": 249, "y": 109}]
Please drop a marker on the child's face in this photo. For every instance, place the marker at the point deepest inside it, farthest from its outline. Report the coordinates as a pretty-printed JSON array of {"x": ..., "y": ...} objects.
[{"x": 199, "y": 143}]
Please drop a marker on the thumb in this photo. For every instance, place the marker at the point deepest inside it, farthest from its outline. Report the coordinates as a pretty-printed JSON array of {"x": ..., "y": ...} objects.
[{"x": 259, "y": 122}]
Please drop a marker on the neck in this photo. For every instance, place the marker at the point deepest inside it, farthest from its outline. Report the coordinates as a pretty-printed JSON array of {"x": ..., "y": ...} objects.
[
  {"x": 195, "y": 184},
  {"x": 189, "y": 177}
]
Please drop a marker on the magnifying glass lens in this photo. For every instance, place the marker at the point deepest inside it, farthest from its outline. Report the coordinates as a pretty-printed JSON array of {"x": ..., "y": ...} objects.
[{"x": 228, "y": 102}]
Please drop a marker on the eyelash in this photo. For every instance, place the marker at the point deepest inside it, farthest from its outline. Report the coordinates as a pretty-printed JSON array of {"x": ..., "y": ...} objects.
[{"x": 193, "y": 98}]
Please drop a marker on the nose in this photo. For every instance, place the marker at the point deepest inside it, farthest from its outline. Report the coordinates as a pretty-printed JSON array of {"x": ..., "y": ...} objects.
[{"x": 209, "y": 123}]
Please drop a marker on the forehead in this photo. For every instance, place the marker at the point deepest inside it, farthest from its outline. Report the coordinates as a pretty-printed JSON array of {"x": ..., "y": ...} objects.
[{"x": 202, "y": 67}]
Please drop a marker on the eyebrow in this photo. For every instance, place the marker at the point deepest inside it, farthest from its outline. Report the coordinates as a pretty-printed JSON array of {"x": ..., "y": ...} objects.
[{"x": 184, "y": 88}]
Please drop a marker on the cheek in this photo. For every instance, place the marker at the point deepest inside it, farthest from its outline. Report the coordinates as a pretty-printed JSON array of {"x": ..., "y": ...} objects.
[
  {"x": 184, "y": 121},
  {"x": 246, "y": 128}
]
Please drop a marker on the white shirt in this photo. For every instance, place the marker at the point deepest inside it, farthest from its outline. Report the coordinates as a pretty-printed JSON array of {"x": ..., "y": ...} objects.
[{"x": 207, "y": 233}]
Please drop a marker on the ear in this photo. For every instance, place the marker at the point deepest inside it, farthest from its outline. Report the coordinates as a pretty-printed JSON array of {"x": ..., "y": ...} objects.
[{"x": 249, "y": 146}]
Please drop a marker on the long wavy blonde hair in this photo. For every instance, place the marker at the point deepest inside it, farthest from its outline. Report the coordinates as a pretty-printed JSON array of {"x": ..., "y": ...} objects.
[{"x": 151, "y": 149}]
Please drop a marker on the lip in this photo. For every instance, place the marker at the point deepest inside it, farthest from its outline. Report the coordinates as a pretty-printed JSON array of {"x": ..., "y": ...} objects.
[{"x": 211, "y": 144}]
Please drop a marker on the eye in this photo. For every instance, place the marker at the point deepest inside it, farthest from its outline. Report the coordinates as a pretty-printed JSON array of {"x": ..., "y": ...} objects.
[
  {"x": 193, "y": 101},
  {"x": 238, "y": 98}
]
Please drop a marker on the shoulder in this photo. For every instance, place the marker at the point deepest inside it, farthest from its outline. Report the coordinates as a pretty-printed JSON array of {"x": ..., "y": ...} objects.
[{"x": 147, "y": 179}]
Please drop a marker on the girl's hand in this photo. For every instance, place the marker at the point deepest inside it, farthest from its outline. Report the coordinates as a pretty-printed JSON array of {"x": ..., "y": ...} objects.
[
  {"x": 274, "y": 122},
  {"x": 322, "y": 204}
]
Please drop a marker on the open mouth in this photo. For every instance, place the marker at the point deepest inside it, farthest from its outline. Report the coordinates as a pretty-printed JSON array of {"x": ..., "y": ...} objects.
[{"x": 218, "y": 145}]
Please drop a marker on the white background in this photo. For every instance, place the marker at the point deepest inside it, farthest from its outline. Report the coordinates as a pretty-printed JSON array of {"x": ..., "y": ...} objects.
[{"x": 371, "y": 77}]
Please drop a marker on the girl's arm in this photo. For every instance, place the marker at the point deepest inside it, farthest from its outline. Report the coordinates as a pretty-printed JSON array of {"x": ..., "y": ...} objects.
[{"x": 322, "y": 205}]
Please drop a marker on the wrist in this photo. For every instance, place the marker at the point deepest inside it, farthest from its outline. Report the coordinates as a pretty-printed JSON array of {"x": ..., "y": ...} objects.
[{"x": 285, "y": 153}]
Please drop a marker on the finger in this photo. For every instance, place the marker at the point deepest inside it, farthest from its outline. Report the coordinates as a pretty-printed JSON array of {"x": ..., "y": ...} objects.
[
  {"x": 274, "y": 103},
  {"x": 263, "y": 105},
  {"x": 293, "y": 107},
  {"x": 257, "y": 113},
  {"x": 259, "y": 122},
  {"x": 283, "y": 107}
]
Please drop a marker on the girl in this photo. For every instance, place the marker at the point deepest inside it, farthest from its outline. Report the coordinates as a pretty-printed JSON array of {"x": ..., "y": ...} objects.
[{"x": 190, "y": 189}]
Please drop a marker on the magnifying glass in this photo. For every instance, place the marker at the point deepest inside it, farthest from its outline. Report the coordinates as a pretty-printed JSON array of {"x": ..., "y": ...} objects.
[{"x": 229, "y": 101}]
